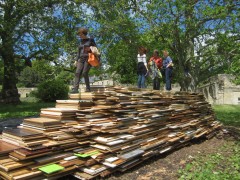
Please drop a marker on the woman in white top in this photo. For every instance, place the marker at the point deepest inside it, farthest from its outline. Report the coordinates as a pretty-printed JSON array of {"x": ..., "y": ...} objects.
[{"x": 142, "y": 68}]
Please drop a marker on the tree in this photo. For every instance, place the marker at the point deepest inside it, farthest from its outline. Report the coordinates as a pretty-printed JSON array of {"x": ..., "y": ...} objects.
[
  {"x": 1, "y": 71},
  {"x": 119, "y": 38},
  {"x": 40, "y": 71},
  {"x": 187, "y": 28},
  {"x": 228, "y": 49},
  {"x": 190, "y": 29},
  {"x": 34, "y": 29},
  {"x": 182, "y": 25}
]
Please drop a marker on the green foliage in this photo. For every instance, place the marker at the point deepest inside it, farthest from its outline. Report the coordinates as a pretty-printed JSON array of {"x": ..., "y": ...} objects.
[
  {"x": 1, "y": 73},
  {"x": 228, "y": 114},
  {"x": 40, "y": 71},
  {"x": 28, "y": 78},
  {"x": 36, "y": 30},
  {"x": 97, "y": 71},
  {"x": 119, "y": 38},
  {"x": 33, "y": 94},
  {"x": 190, "y": 30},
  {"x": 202, "y": 36},
  {"x": 23, "y": 109},
  {"x": 235, "y": 70},
  {"x": 51, "y": 90},
  {"x": 222, "y": 165},
  {"x": 227, "y": 54},
  {"x": 65, "y": 76},
  {"x": 123, "y": 62}
]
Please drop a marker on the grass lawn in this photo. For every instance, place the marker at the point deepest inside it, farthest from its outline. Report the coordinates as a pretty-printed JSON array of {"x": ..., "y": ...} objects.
[
  {"x": 224, "y": 164},
  {"x": 221, "y": 165},
  {"x": 23, "y": 109},
  {"x": 228, "y": 114}
]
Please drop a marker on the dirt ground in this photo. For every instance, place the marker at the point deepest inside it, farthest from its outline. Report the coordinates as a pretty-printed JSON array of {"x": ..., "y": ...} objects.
[{"x": 166, "y": 167}]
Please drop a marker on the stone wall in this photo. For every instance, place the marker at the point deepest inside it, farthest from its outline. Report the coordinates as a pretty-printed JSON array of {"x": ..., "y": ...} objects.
[
  {"x": 221, "y": 90},
  {"x": 25, "y": 91}
]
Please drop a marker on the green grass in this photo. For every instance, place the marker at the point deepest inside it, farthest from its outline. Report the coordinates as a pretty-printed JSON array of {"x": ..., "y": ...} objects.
[
  {"x": 221, "y": 165},
  {"x": 228, "y": 114},
  {"x": 23, "y": 109},
  {"x": 225, "y": 163}
]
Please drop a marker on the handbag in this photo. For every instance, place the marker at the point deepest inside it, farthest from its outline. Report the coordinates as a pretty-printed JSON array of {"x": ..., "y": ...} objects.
[{"x": 93, "y": 60}]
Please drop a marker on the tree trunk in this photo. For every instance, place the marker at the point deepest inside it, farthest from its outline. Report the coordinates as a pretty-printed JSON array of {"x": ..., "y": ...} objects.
[
  {"x": 187, "y": 82},
  {"x": 9, "y": 92}
]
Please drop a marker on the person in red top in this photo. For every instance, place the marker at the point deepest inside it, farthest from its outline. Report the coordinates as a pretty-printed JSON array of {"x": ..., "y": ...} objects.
[{"x": 155, "y": 63}]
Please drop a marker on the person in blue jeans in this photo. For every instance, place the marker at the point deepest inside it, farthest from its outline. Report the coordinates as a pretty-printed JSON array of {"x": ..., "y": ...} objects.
[
  {"x": 142, "y": 68},
  {"x": 168, "y": 67}
]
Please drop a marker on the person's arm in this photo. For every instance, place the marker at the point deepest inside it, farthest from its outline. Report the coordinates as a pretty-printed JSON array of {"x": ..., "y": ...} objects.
[
  {"x": 93, "y": 43},
  {"x": 169, "y": 62},
  {"x": 161, "y": 62},
  {"x": 78, "y": 56},
  {"x": 146, "y": 66},
  {"x": 150, "y": 60},
  {"x": 145, "y": 62}
]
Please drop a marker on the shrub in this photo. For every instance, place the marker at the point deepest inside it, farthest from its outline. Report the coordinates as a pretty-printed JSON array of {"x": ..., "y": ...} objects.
[
  {"x": 66, "y": 76},
  {"x": 51, "y": 90},
  {"x": 33, "y": 93},
  {"x": 40, "y": 71}
]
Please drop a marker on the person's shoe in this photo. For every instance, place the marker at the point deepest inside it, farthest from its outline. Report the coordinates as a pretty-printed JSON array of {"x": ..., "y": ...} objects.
[
  {"x": 73, "y": 91},
  {"x": 87, "y": 90}
]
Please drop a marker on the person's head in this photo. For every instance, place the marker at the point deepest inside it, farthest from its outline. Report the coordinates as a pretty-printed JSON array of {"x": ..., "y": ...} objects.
[
  {"x": 142, "y": 50},
  {"x": 155, "y": 53},
  {"x": 165, "y": 53},
  {"x": 82, "y": 32}
]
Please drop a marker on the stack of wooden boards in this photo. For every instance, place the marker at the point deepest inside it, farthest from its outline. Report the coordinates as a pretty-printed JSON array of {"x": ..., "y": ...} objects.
[{"x": 111, "y": 129}]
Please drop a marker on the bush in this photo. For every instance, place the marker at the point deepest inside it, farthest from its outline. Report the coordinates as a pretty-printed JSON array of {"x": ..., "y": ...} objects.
[
  {"x": 51, "y": 90},
  {"x": 33, "y": 93},
  {"x": 20, "y": 85},
  {"x": 66, "y": 76},
  {"x": 40, "y": 71}
]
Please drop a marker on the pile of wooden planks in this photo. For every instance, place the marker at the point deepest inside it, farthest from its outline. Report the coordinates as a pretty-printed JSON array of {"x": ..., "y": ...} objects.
[{"x": 112, "y": 129}]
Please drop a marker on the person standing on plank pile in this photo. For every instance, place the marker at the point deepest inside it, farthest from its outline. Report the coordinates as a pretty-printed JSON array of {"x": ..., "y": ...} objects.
[
  {"x": 168, "y": 68},
  {"x": 155, "y": 64},
  {"x": 81, "y": 62},
  {"x": 142, "y": 69}
]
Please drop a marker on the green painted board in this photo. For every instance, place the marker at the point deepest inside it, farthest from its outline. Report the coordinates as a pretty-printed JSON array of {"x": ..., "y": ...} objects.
[
  {"x": 87, "y": 154},
  {"x": 49, "y": 169}
]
